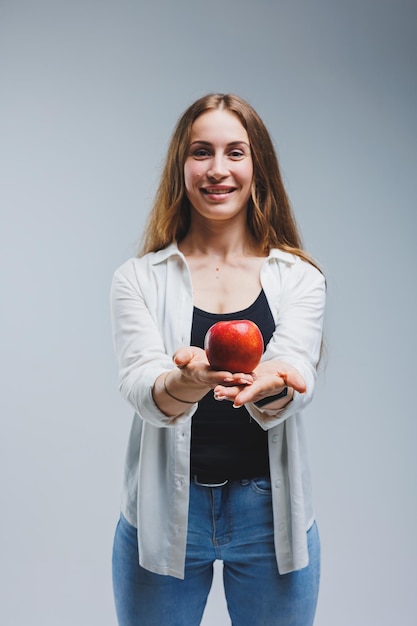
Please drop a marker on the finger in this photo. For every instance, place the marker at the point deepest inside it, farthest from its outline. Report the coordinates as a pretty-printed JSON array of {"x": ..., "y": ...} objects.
[
  {"x": 225, "y": 393},
  {"x": 239, "y": 379},
  {"x": 293, "y": 379},
  {"x": 182, "y": 357},
  {"x": 243, "y": 395}
]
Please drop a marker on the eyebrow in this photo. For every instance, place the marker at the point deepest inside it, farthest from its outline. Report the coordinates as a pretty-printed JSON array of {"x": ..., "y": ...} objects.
[{"x": 229, "y": 145}]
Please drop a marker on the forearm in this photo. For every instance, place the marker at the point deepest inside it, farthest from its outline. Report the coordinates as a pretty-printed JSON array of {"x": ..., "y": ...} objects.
[{"x": 173, "y": 394}]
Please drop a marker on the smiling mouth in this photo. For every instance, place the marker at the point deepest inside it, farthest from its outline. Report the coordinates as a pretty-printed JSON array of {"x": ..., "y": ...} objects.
[{"x": 221, "y": 191}]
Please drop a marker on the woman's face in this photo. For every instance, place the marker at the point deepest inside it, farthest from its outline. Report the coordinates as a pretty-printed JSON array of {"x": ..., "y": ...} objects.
[{"x": 218, "y": 170}]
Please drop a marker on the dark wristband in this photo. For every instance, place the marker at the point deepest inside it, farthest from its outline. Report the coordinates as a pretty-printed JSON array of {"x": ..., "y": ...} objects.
[{"x": 269, "y": 399}]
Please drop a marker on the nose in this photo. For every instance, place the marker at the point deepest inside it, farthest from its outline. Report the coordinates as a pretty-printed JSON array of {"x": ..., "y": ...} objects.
[{"x": 218, "y": 168}]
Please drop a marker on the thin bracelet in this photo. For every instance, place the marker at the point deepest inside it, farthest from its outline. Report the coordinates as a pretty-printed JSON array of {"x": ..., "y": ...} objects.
[{"x": 174, "y": 397}]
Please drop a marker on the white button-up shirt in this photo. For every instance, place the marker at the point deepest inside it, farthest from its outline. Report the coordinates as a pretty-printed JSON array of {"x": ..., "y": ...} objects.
[{"x": 152, "y": 311}]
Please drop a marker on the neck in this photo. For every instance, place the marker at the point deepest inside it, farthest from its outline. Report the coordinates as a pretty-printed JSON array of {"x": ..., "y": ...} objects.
[{"x": 219, "y": 239}]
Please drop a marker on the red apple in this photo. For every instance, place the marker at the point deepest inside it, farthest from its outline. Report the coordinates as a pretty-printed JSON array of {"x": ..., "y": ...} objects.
[{"x": 234, "y": 346}]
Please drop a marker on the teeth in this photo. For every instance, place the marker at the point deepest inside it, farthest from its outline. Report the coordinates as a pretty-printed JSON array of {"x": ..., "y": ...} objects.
[{"x": 218, "y": 191}]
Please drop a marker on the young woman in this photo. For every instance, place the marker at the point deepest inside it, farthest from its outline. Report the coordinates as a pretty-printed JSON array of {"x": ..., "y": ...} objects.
[{"x": 216, "y": 464}]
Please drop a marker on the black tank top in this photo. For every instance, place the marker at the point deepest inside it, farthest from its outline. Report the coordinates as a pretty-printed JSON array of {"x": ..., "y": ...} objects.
[{"x": 226, "y": 442}]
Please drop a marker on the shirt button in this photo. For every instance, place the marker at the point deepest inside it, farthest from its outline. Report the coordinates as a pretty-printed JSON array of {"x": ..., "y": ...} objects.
[
  {"x": 281, "y": 527},
  {"x": 275, "y": 438},
  {"x": 278, "y": 484},
  {"x": 179, "y": 482}
]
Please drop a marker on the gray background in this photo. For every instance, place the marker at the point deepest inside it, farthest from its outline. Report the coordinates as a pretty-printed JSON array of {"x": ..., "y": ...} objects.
[{"x": 90, "y": 91}]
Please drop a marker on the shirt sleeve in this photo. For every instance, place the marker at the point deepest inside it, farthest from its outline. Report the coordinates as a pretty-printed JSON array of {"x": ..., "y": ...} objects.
[
  {"x": 297, "y": 339},
  {"x": 139, "y": 347}
]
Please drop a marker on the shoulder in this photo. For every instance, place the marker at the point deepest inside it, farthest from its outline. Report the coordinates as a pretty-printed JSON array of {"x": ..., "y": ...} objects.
[
  {"x": 129, "y": 272},
  {"x": 143, "y": 265},
  {"x": 149, "y": 273},
  {"x": 294, "y": 266}
]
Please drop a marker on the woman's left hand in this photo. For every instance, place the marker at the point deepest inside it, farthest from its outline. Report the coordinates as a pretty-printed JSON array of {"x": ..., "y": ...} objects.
[{"x": 269, "y": 379}]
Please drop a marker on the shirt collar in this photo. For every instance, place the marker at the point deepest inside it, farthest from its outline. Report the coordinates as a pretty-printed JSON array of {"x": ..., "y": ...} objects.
[
  {"x": 162, "y": 255},
  {"x": 172, "y": 250},
  {"x": 281, "y": 255}
]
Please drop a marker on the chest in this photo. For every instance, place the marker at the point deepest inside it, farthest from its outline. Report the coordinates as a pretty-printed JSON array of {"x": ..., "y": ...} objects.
[{"x": 225, "y": 287}]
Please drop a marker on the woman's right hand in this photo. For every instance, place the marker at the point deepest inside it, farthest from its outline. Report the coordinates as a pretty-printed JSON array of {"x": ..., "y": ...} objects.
[
  {"x": 195, "y": 368},
  {"x": 187, "y": 383}
]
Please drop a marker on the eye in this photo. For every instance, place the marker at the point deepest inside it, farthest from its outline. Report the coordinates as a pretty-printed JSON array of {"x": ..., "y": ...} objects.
[
  {"x": 200, "y": 153},
  {"x": 236, "y": 154}
]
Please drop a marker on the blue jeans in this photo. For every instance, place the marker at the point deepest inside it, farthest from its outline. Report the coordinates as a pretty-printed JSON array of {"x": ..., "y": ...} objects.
[{"x": 232, "y": 523}]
